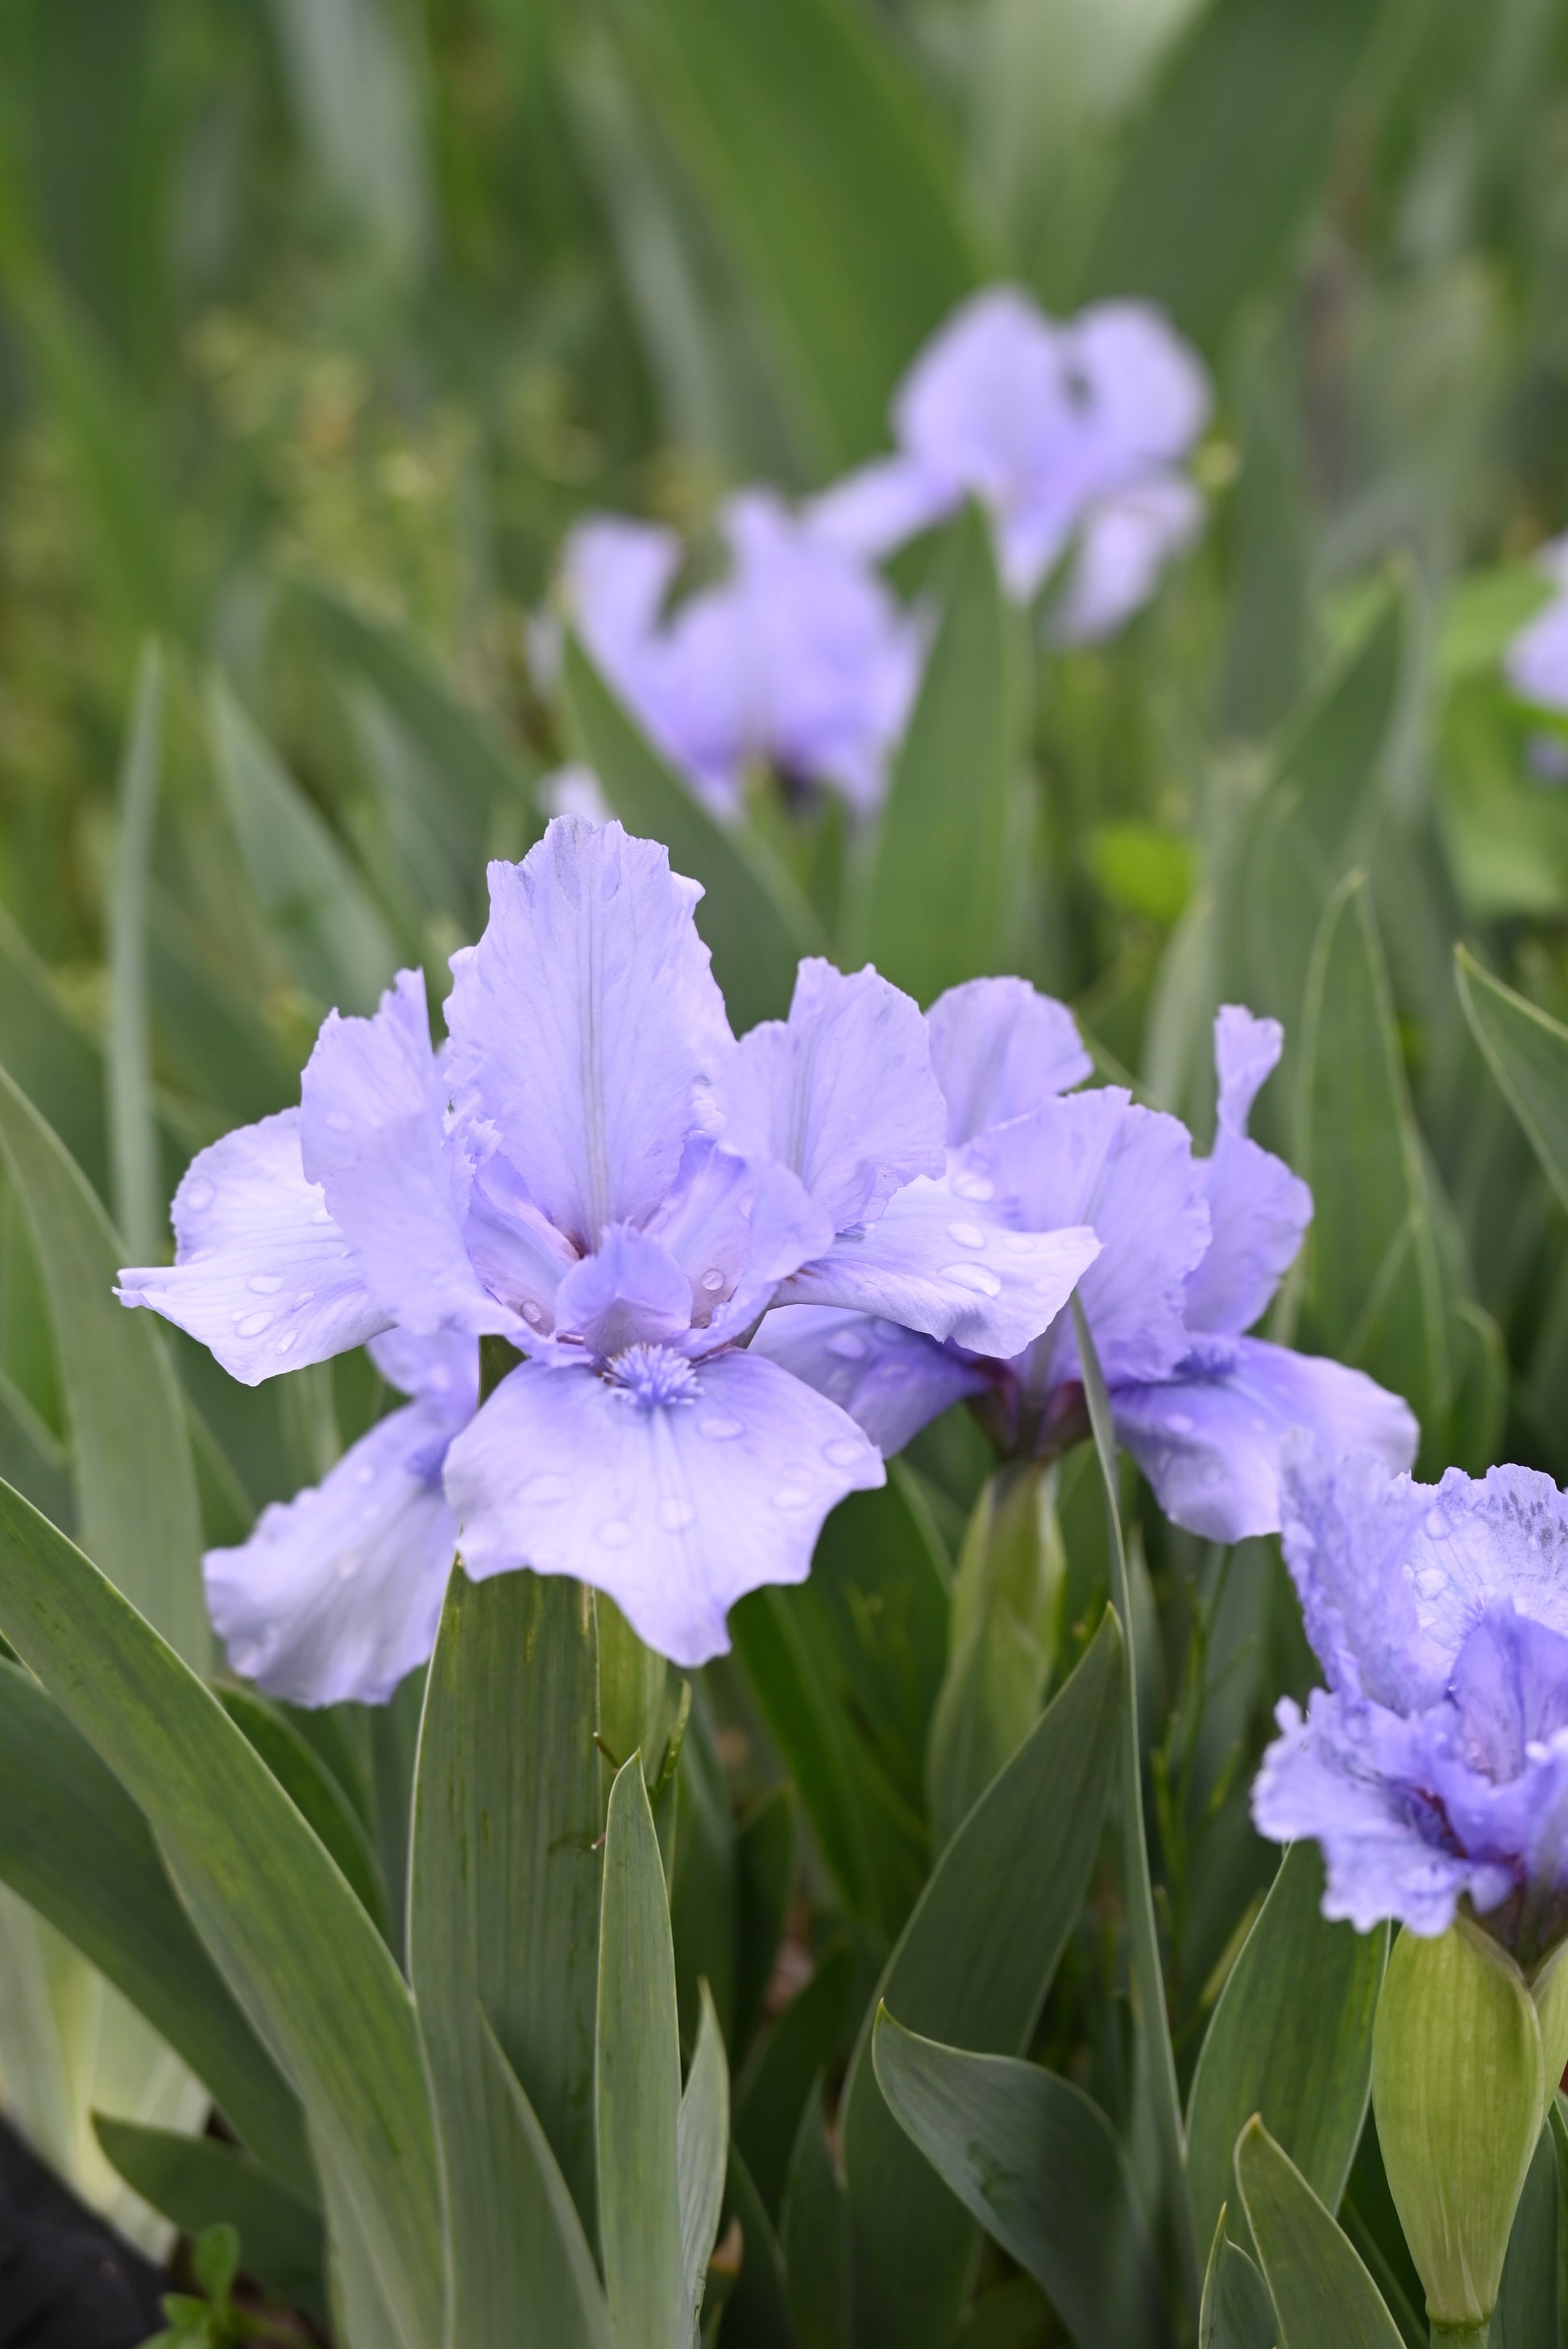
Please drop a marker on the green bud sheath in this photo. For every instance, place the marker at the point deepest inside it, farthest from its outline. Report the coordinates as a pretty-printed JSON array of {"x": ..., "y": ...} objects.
[{"x": 1459, "y": 2086}]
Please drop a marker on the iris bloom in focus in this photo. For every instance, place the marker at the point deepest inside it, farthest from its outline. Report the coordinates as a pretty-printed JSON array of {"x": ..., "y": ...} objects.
[
  {"x": 1191, "y": 1253},
  {"x": 1434, "y": 1767},
  {"x": 799, "y": 659},
  {"x": 1064, "y": 433},
  {"x": 596, "y": 1170}
]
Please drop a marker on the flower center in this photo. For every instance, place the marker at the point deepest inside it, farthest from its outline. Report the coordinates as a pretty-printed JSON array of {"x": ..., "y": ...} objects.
[{"x": 653, "y": 1375}]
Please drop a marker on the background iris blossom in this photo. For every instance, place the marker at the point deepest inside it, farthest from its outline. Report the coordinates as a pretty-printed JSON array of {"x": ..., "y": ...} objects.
[{"x": 1434, "y": 1766}]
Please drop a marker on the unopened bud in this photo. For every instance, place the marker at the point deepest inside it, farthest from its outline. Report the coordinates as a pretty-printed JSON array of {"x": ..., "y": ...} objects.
[{"x": 1459, "y": 2087}]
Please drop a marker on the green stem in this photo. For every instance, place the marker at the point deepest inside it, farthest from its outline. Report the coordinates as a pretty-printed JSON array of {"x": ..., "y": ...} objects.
[
  {"x": 1461, "y": 2336},
  {"x": 1148, "y": 1975}
]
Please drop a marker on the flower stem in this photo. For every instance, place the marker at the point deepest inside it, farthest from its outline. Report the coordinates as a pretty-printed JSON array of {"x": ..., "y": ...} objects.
[{"x": 1461, "y": 2336}]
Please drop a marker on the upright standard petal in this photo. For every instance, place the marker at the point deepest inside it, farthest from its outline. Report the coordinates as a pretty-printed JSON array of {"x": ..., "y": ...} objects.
[
  {"x": 737, "y": 1226},
  {"x": 943, "y": 1263},
  {"x": 372, "y": 1135},
  {"x": 1347, "y": 1527},
  {"x": 999, "y": 1049},
  {"x": 337, "y": 1593},
  {"x": 841, "y": 1092},
  {"x": 1096, "y": 1159},
  {"x": 1258, "y": 1210},
  {"x": 675, "y": 1488},
  {"x": 1210, "y": 1442},
  {"x": 585, "y": 1022},
  {"x": 262, "y": 1274},
  {"x": 892, "y": 1380},
  {"x": 872, "y": 510}
]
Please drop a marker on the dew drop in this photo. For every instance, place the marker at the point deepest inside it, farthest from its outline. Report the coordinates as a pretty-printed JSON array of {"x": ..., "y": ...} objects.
[
  {"x": 339, "y": 1121},
  {"x": 303, "y": 1297},
  {"x": 1019, "y": 1243},
  {"x": 546, "y": 1488},
  {"x": 1434, "y": 1521},
  {"x": 713, "y": 1280},
  {"x": 848, "y": 1346},
  {"x": 266, "y": 1284},
  {"x": 364, "y": 1474},
  {"x": 251, "y": 1325},
  {"x": 288, "y": 1342},
  {"x": 892, "y": 1333},
  {"x": 791, "y": 1496},
  {"x": 976, "y": 1277},
  {"x": 843, "y": 1453},
  {"x": 720, "y": 1430},
  {"x": 533, "y": 1314},
  {"x": 200, "y": 1196},
  {"x": 967, "y": 1184},
  {"x": 1180, "y": 1423},
  {"x": 614, "y": 1534},
  {"x": 966, "y": 1234},
  {"x": 676, "y": 1516}
]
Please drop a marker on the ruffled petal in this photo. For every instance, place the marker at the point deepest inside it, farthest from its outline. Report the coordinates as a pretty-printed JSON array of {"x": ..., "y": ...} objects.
[
  {"x": 1094, "y": 1158},
  {"x": 371, "y": 1134},
  {"x": 1211, "y": 1443},
  {"x": 841, "y": 1092},
  {"x": 998, "y": 1050},
  {"x": 675, "y": 1494},
  {"x": 737, "y": 1226},
  {"x": 1147, "y": 396},
  {"x": 1348, "y": 1526},
  {"x": 1499, "y": 1539},
  {"x": 584, "y": 1023},
  {"x": 261, "y": 1273},
  {"x": 337, "y": 1593},
  {"x": 890, "y": 1381},
  {"x": 1320, "y": 1778},
  {"x": 940, "y": 1262}
]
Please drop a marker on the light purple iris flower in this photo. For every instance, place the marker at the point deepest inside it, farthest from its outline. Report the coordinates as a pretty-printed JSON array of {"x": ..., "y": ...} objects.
[
  {"x": 1192, "y": 1252},
  {"x": 1434, "y": 1766},
  {"x": 799, "y": 659},
  {"x": 594, "y": 1169},
  {"x": 1062, "y": 432}
]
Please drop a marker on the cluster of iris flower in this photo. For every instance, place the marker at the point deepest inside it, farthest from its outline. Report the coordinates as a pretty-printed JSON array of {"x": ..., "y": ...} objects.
[
  {"x": 736, "y": 1272},
  {"x": 1071, "y": 437}
]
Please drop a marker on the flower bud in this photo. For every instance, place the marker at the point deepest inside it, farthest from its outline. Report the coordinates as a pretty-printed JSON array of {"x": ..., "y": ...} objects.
[{"x": 1459, "y": 2086}]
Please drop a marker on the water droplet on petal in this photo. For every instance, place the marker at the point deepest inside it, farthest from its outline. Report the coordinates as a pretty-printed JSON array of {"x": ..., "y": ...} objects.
[
  {"x": 533, "y": 1314},
  {"x": 966, "y": 1234},
  {"x": 546, "y": 1488},
  {"x": 976, "y": 1277},
  {"x": 200, "y": 1196},
  {"x": 720, "y": 1429},
  {"x": 251, "y": 1325},
  {"x": 843, "y": 1453},
  {"x": 303, "y": 1298},
  {"x": 676, "y": 1516},
  {"x": 364, "y": 1474},
  {"x": 1020, "y": 1243},
  {"x": 892, "y": 1333},
  {"x": 614, "y": 1533},
  {"x": 713, "y": 1280},
  {"x": 339, "y": 1121},
  {"x": 288, "y": 1342},
  {"x": 1434, "y": 1521},
  {"x": 1180, "y": 1423},
  {"x": 266, "y": 1284},
  {"x": 848, "y": 1346},
  {"x": 791, "y": 1496},
  {"x": 967, "y": 1184}
]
